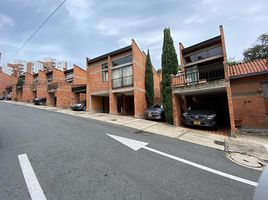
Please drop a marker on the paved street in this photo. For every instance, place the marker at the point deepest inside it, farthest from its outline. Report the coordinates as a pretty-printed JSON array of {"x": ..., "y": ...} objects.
[{"x": 74, "y": 158}]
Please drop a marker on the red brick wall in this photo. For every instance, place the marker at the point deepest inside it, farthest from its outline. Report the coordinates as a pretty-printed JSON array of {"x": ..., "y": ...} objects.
[
  {"x": 41, "y": 85},
  {"x": 27, "y": 94},
  {"x": 248, "y": 101},
  {"x": 139, "y": 60},
  {"x": 5, "y": 81},
  {"x": 157, "y": 94}
]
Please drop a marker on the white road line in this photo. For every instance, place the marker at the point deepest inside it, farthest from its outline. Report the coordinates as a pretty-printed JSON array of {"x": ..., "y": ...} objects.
[
  {"x": 208, "y": 169},
  {"x": 136, "y": 145},
  {"x": 32, "y": 183}
]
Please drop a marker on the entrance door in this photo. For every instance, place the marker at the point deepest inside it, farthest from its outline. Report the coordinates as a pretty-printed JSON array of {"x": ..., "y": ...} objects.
[{"x": 119, "y": 103}]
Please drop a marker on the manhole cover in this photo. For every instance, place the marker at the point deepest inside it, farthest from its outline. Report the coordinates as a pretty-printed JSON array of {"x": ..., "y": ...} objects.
[
  {"x": 247, "y": 160},
  {"x": 113, "y": 119}
]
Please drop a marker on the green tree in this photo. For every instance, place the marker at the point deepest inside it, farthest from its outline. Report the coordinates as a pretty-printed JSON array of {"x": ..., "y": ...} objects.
[
  {"x": 259, "y": 50},
  {"x": 169, "y": 66},
  {"x": 233, "y": 61},
  {"x": 20, "y": 82},
  {"x": 149, "y": 81}
]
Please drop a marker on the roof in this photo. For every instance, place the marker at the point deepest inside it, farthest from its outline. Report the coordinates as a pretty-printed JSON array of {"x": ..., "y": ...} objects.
[
  {"x": 251, "y": 68},
  {"x": 127, "y": 48},
  {"x": 202, "y": 45}
]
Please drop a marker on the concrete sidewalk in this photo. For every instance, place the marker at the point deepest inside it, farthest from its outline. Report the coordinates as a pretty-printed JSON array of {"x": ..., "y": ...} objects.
[{"x": 244, "y": 144}]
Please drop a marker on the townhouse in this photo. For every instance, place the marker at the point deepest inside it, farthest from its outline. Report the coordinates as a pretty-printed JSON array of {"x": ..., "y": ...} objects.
[
  {"x": 204, "y": 80},
  {"x": 116, "y": 82},
  {"x": 5, "y": 83}
]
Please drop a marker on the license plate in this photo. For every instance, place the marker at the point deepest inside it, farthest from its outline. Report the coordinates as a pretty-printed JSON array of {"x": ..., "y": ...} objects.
[
  {"x": 197, "y": 123},
  {"x": 150, "y": 115}
]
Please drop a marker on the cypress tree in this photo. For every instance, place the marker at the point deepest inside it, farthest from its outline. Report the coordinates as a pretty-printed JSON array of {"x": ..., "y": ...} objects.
[
  {"x": 169, "y": 66},
  {"x": 149, "y": 81}
]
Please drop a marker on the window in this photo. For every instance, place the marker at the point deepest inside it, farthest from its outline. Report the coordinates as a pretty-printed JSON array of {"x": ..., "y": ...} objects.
[
  {"x": 104, "y": 72},
  {"x": 204, "y": 54},
  {"x": 121, "y": 61},
  {"x": 122, "y": 76}
]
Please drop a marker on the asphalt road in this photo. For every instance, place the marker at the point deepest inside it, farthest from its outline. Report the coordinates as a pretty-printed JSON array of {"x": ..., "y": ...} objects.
[{"x": 73, "y": 158}]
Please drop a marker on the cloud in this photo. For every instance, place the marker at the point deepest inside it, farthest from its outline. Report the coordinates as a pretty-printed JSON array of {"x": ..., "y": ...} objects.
[
  {"x": 115, "y": 26},
  {"x": 79, "y": 9},
  {"x": 194, "y": 19},
  {"x": 5, "y": 20}
]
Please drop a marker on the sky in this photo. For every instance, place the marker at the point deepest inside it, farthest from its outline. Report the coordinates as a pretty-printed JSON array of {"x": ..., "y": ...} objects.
[{"x": 90, "y": 28}]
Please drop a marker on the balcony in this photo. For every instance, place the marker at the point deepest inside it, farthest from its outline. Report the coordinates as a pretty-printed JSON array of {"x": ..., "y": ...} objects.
[
  {"x": 194, "y": 77},
  {"x": 69, "y": 77},
  {"x": 122, "y": 82},
  {"x": 52, "y": 88}
]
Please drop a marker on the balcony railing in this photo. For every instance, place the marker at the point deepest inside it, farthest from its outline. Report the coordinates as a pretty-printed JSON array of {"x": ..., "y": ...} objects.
[
  {"x": 69, "y": 77},
  {"x": 194, "y": 77},
  {"x": 52, "y": 87},
  {"x": 122, "y": 82}
]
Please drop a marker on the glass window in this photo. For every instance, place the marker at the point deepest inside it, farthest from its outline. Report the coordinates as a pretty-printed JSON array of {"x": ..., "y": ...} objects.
[
  {"x": 105, "y": 76},
  {"x": 122, "y": 61},
  {"x": 215, "y": 51},
  {"x": 104, "y": 66}
]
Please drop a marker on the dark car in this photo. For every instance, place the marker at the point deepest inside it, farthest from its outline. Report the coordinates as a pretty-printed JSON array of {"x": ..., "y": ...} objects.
[
  {"x": 82, "y": 106},
  {"x": 8, "y": 96},
  {"x": 155, "y": 112},
  {"x": 40, "y": 101},
  {"x": 2, "y": 98},
  {"x": 200, "y": 115}
]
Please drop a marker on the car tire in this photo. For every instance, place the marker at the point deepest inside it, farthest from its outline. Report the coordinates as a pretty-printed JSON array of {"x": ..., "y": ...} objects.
[{"x": 84, "y": 108}]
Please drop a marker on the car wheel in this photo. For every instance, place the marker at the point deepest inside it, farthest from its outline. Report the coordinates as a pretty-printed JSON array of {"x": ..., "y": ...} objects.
[{"x": 84, "y": 108}]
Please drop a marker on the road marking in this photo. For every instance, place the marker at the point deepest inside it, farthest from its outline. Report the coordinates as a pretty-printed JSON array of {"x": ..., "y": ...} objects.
[
  {"x": 32, "y": 183},
  {"x": 136, "y": 145}
]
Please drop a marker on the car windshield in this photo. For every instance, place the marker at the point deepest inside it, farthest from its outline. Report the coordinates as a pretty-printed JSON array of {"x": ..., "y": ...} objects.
[
  {"x": 200, "y": 107},
  {"x": 157, "y": 106}
]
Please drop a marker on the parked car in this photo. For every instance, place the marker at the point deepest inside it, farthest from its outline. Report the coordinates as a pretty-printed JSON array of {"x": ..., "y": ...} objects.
[
  {"x": 155, "y": 112},
  {"x": 200, "y": 115},
  {"x": 82, "y": 106},
  {"x": 8, "y": 96},
  {"x": 40, "y": 101},
  {"x": 2, "y": 97}
]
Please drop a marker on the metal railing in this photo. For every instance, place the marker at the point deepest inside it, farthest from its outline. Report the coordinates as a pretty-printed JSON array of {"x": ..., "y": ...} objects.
[
  {"x": 194, "y": 77},
  {"x": 52, "y": 87},
  {"x": 122, "y": 82},
  {"x": 69, "y": 77}
]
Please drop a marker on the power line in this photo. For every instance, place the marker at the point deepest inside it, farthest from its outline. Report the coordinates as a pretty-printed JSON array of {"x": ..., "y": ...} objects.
[
  {"x": 25, "y": 11},
  {"x": 39, "y": 27}
]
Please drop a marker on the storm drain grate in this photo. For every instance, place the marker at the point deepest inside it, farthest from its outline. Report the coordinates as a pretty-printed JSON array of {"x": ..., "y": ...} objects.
[
  {"x": 219, "y": 142},
  {"x": 142, "y": 132}
]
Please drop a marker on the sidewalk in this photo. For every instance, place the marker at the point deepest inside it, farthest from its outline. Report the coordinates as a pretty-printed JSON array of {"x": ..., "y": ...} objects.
[{"x": 251, "y": 145}]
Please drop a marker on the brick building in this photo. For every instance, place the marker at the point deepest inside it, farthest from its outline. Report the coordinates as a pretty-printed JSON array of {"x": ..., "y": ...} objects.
[
  {"x": 249, "y": 92},
  {"x": 5, "y": 83},
  {"x": 116, "y": 82},
  {"x": 203, "y": 80},
  {"x": 73, "y": 89}
]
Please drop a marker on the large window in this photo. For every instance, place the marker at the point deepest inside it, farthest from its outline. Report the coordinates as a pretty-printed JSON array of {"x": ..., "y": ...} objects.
[
  {"x": 204, "y": 54},
  {"x": 122, "y": 77},
  {"x": 121, "y": 61},
  {"x": 105, "y": 74}
]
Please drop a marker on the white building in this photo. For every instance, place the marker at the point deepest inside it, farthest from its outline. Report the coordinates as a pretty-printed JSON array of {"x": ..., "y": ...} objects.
[
  {"x": 58, "y": 64},
  {"x": 36, "y": 66}
]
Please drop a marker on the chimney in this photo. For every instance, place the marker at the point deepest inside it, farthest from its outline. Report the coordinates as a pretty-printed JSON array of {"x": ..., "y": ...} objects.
[{"x": 29, "y": 67}]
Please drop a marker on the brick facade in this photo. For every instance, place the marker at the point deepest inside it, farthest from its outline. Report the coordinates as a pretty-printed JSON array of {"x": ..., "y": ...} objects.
[
  {"x": 250, "y": 106},
  {"x": 5, "y": 81},
  {"x": 102, "y": 97}
]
